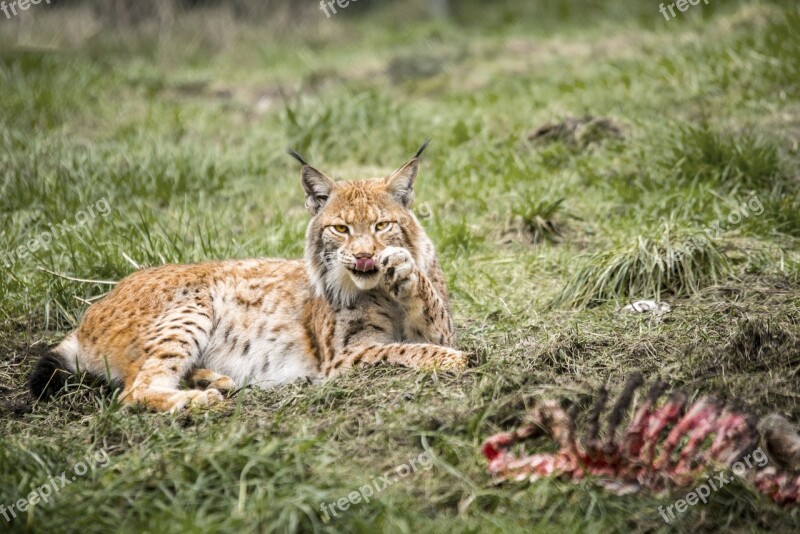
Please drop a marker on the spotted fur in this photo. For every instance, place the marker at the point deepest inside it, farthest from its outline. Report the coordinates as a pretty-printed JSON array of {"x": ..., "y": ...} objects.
[{"x": 369, "y": 290}]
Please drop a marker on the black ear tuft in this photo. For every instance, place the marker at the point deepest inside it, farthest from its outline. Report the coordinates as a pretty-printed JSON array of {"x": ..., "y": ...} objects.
[
  {"x": 422, "y": 148},
  {"x": 48, "y": 377},
  {"x": 297, "y": 156}
]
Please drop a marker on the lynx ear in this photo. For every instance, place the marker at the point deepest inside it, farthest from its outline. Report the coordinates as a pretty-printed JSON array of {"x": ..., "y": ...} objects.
[
  {"x": 317, "y": 185},
  {"x": 401, "y": 181}
]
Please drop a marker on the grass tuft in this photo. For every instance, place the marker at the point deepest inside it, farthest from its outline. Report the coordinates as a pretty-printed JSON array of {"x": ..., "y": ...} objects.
[
  {"x": 539, "y": 220},
  {"x": 671, "y": 261},
  {"x": 724, "y": 159}
]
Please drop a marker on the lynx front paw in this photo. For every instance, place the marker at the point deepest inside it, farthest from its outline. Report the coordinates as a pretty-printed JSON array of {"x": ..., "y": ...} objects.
[
  {"x": 448, "y": 360},
  {"x": 456, "y": 361},
  {"x": 398, "y": 271}
]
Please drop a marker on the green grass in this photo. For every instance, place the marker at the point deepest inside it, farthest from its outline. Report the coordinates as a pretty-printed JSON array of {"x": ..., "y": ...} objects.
[
  {"x": 723, "y": 159},
  {"x": 183, "y": 134},
  {"x": 672, "y": 261}
]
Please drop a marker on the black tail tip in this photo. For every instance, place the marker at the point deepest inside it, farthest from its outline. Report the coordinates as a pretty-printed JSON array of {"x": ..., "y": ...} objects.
[{"x": 48, "y": 377}]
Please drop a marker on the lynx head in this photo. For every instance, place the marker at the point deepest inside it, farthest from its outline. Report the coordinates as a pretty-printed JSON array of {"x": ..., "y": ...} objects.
[{"x": 353, "y": 222}]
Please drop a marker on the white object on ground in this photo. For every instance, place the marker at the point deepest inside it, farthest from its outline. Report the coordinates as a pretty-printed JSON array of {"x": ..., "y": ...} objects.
[{"x": 644, "y": 306}]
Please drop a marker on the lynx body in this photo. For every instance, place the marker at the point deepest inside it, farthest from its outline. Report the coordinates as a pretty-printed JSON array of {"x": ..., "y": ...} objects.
[{"x": 369, "y": 290}]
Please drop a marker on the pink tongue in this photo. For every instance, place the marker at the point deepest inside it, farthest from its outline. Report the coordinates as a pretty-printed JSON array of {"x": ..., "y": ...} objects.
[{"x": 365, "y": 264}]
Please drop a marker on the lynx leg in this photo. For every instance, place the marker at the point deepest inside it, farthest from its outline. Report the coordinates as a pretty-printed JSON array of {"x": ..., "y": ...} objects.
[
  {"x": 206, "y": 378},
  {"x": 156, "y": 387},
  {"x": 170, "y": 351},
  {"x": 428, "y": 316},
  {"x": 417, "y": 356},
  {"x": 365, "y": 340}
]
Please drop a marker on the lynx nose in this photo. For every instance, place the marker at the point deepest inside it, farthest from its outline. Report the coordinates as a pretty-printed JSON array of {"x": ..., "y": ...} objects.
[{"x": 364, "y": 262}]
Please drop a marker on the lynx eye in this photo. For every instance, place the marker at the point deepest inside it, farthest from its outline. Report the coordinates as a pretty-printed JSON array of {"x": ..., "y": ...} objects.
[
  {"x": 341, "y": 228},
  {"x": 383, "y": 225}
]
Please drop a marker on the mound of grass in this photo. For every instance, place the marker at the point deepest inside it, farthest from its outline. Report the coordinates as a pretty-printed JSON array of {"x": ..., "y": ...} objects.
[
  {"x": 577, "y": 133},
  {"x": 671, "y": 261}
]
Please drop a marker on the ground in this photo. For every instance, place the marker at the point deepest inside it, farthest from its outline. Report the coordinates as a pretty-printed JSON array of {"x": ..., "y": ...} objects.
[{"x": 579, "y": 154}]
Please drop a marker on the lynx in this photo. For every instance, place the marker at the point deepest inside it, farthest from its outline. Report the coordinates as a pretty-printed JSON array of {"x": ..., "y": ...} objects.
[{"x": 368, "y": 290}]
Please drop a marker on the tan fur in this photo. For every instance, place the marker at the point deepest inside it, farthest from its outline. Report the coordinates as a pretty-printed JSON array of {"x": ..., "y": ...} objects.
[{"x": 267, "y": 322}]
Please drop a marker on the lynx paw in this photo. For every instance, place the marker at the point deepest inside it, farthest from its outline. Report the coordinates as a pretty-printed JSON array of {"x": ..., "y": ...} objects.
[
  {"x": 194, "y": 397},
  {"x": 457, "y": 361},
  {"x": 205, "y": 379},
  {"x": 448, "y": 360},
  {"x": 224, "y": 384},
  {"x": 398, "y": 271}
]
